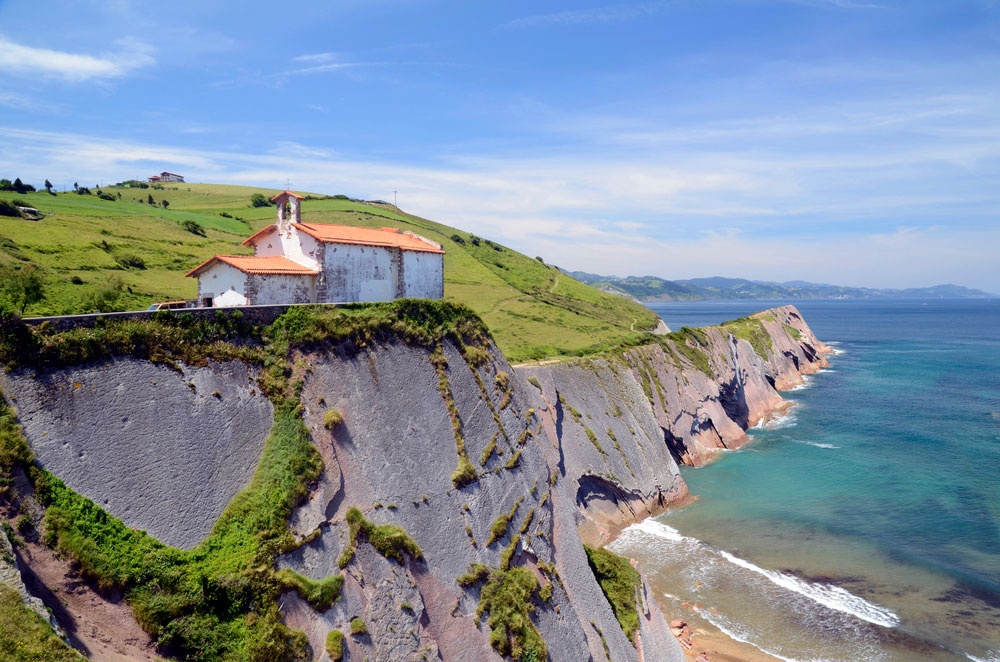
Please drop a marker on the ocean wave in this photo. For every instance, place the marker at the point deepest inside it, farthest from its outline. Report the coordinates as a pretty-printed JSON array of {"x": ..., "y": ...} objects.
[
  {"x": 735, "y": 632},
  {"x": 806, "y": 383},
  {"x": 660, "y": 530},
  {"x": 991, "y": 656},
  {"x": 828, "y": 595},
  {"x": 817, "y": 444},
  {"x": 785, "y": 420}
]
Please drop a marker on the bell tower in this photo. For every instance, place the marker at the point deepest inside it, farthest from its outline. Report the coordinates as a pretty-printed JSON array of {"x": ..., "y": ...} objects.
[{"x": 289, "y": 211}]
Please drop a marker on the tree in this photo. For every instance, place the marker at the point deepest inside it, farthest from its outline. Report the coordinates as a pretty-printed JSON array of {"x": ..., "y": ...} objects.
[
  {"x": 104, "y": 299},
  {"x": 48, "y": 186},
  {"x": 150, "y": 200},
  {"x": 21, "y": 285},
  {"x": 259, "y": 200},
  {"x": 164, "y": 203}
]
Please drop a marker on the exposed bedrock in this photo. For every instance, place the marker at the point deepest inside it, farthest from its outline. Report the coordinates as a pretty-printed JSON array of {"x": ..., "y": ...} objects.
[
  {"x": 161, "y": 449},
  {"x": 391, "y": 455},
  {"x": 563, "y": 455},
  {"x": 704, "y": 412}
]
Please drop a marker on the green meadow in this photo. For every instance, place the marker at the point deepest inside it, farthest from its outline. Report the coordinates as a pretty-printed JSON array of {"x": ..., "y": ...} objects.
[{"x": 124, "y": 254}]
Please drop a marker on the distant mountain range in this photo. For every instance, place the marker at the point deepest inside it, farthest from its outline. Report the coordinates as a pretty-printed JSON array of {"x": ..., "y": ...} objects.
[{"x": 651, "y": 288}]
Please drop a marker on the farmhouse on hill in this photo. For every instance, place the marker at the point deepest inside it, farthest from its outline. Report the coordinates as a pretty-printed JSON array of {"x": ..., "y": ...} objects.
[
  {"x": 166, "y": 177},
  {"x": 296, "y": 262}
]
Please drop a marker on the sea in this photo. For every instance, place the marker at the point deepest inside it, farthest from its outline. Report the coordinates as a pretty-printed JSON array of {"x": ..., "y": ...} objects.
[{"x": 865, "y": 524}]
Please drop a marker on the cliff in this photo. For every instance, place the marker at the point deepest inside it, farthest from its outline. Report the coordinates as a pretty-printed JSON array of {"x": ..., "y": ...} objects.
[
  {"x": 708, "y": 386},
  {"x": 449, "y": 512}
]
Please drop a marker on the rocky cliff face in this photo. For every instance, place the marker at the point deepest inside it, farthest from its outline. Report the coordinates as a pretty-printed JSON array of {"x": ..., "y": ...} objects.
[
  {"x": 392, "y": 456},
  {"x": 560, "y": 455},
  {"x": 706, "y": 404}
]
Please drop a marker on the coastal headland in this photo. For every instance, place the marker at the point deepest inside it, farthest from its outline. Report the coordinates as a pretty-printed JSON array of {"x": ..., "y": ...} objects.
[{"x": 379, "y": 478}]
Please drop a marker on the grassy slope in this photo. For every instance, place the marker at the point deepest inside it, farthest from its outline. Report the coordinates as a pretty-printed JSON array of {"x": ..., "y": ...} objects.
[{"x": 532, "y": 310}]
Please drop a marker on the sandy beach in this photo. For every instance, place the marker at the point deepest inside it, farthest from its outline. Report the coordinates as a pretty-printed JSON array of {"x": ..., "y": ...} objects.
[{"x": 709, "y": 644}]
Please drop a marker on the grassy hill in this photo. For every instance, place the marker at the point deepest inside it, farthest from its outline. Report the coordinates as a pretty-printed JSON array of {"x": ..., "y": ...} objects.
[{"x": 124, "y": 254}]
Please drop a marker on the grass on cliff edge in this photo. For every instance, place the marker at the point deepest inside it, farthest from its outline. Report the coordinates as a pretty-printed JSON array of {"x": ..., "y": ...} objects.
[
  {"x": 25, "y": 636},
  {"x": 86, "y": 245}
]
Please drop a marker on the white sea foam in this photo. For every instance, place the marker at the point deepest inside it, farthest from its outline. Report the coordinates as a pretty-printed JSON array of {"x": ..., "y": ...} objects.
[
  {"x": 828, "y": 595},
  {"x": 786, "y": 420},
  {"x": 738, "y": 635},
  {"x": 660, "y": 530},
  {"x": 817, "y": 444},
  {"x": 991, "y": 656},
  {"x": 806, "y": 383}
]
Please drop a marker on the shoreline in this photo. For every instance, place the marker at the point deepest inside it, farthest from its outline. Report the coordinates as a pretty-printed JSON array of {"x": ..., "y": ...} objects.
[{"x": 709, "y": 644}]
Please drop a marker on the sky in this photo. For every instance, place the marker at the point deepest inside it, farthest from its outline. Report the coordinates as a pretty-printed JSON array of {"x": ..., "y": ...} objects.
[{"x": 851, "y": 142}]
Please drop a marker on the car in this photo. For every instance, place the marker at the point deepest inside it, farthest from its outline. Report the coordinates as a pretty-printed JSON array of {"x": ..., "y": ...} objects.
[{"x": 168, "y": 305}]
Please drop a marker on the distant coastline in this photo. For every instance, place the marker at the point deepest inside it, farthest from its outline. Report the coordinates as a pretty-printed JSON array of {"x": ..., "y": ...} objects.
[{"x": 649, "y": 289}]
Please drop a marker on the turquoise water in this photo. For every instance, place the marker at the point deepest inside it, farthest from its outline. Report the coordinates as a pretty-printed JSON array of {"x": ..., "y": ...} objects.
[{"x": 866, "y": 524}]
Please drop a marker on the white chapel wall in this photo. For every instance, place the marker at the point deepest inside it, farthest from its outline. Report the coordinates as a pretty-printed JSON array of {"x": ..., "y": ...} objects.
[
  {"x": 218, "y": 280},
  {"x": 423, "y": 274},
  {"x": 358, "y": 273}
]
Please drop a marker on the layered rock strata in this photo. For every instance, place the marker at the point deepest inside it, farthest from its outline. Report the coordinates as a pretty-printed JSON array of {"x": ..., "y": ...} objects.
[{"x": 562, "y": 454}]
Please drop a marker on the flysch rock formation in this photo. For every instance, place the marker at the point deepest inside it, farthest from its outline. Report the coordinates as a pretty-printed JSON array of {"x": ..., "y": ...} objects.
[
  {"x": 573, "y": 452},
  {"x": 392, "y": 456},
  {"x": 701, "y": 415},
  {"x": 162, "y": 450}
]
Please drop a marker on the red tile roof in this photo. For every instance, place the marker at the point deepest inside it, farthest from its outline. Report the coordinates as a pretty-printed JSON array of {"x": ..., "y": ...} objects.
[
  {"x": 252, "y": 239},
  {"x": 346, "y": 234},
  {"x": 275, "y": 264},
  {"x": 287, "y": 192}
]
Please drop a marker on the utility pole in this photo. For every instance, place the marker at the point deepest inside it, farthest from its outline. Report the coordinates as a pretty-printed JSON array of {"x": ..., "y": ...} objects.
[{"x": 395, "y": 205}]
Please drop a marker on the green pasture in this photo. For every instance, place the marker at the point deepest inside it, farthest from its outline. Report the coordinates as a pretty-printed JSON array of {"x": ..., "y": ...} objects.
[{"x": 125, "y": 254}]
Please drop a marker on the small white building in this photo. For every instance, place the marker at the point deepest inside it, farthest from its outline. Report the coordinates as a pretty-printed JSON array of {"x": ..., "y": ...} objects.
[{"x": 296, "y": 262}]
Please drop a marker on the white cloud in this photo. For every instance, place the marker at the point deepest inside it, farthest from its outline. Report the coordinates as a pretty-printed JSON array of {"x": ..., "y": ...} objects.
[
  {"x": 29, "y": 61},
  {"x": 591, "y": 214}
]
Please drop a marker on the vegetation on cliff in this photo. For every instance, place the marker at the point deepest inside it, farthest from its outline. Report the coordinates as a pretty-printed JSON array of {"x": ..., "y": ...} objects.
[
  {"x": 99, "y": 255},
  {"x": 620, "y": 583},
  {"x": 507, "y": 598},
  {"x": 25, "y": 636},
  {"x": 218, "y": 600}
]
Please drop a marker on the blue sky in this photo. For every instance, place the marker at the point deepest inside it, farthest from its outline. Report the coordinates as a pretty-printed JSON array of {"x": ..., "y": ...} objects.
[{"x": 854, "y": 142}]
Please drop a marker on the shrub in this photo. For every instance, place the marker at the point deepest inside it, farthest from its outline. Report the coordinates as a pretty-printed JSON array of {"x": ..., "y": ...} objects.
[
  {"x": 332, "y": 418},
  {"x": 389, "y": 540},
  {"x": 464, "y": 474},
  {"x": 259, "y": 200},
  {"x": 507, "y": 600},
  {"x": 9, "y": 209},
  {"x": 335, "y": 645},
  {"x": 192, "y": 227},
  {"x": 130, "y": 261},
  {"x": 319, "y": 593},
  {"x": 499, "y": 528},
  {"x": 358, "y": 627},
  {"x": 14, "y": 447}
]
